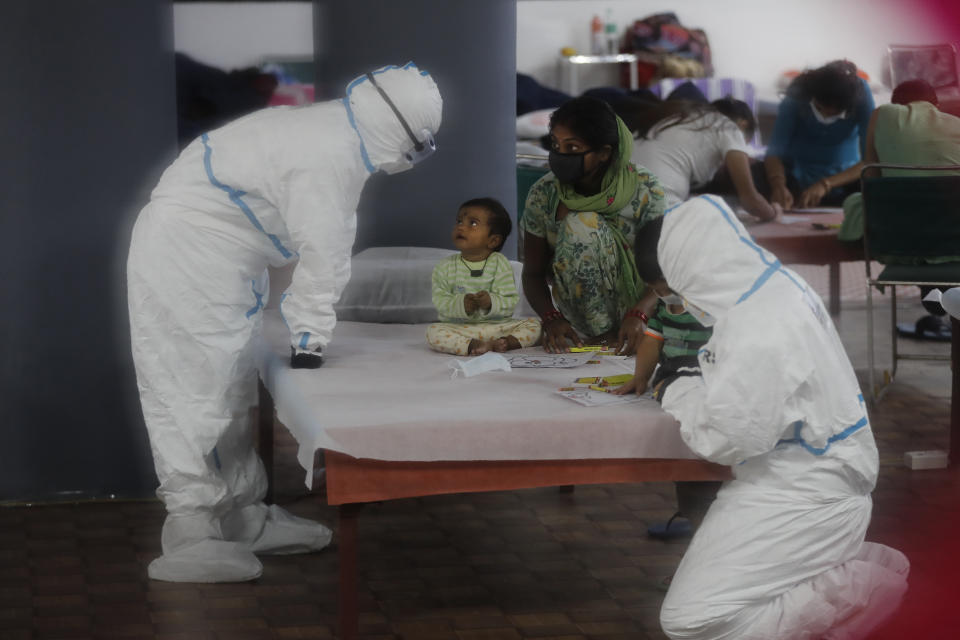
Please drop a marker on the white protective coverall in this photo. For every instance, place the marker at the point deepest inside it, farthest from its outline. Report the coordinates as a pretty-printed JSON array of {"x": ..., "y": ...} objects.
[
  {"x": 781, "y": 553},
  {"x": 276, "y": 186}
]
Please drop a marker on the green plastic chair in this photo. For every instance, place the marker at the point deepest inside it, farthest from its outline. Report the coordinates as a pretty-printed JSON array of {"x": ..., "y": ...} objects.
[{"x": 911, "y": 216}]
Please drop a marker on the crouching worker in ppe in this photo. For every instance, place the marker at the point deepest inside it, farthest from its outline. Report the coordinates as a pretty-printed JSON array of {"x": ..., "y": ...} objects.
[
  {"x": 781, "y": 552},
  {"x": 273, "y": 187}
]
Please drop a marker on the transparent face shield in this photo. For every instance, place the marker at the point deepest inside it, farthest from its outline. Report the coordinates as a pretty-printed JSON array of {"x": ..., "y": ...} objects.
[
  {"x": 422, "y": 148},
  {"x": 425, "y": 150}
]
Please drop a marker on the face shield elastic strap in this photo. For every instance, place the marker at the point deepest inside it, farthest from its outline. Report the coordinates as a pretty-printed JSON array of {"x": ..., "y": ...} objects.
[{"x": 421, "y": 149}]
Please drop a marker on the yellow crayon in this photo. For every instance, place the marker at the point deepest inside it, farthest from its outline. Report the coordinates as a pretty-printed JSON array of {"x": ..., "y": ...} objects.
[
  {"x": 605, "y": 380},
  {"x": 617, "y": 379}
]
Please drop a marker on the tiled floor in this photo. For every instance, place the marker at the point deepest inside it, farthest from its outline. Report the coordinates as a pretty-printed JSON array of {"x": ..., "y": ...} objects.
[{"x": 493, "y": 566}]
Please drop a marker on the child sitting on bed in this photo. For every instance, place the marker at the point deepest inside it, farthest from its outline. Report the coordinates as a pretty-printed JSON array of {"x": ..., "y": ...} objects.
[{"x": 474, "y": 290}]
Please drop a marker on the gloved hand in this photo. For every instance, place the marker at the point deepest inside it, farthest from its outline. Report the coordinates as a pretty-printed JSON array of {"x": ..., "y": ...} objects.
[{"x": 302, "y": 359}]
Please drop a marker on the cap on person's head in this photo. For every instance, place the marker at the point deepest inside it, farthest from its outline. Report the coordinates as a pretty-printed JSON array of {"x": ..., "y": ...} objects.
[{"x": 914, "y": 91}]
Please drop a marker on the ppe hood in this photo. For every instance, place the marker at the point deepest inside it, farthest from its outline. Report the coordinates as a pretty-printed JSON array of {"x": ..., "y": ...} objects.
[
  {"x": 774, "y": 348},
  {"x": 416, "y": 97},
  {"x": 709, "y": 258}
]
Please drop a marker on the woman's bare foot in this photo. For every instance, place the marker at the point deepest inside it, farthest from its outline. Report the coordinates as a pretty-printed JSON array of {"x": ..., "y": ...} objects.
[{"x": 507, "y": 343}]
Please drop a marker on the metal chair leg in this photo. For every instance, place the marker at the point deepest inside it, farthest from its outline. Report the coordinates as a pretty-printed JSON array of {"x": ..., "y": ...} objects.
[
  {"x": 955, "y": 392},
  {"x": 893, "y": 331}
]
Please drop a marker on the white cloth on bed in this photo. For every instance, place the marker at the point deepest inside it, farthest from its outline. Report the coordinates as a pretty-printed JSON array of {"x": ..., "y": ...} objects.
[{"x": 383, "y": 394}]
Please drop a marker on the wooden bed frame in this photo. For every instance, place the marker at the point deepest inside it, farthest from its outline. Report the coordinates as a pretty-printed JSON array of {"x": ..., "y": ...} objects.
[{"x": 352, "y": 482}]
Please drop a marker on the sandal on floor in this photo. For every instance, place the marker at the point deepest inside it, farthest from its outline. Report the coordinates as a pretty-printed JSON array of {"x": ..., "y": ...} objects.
[
  {"x": 928, "y": 327},
  {"x": 677, "y": 527}
]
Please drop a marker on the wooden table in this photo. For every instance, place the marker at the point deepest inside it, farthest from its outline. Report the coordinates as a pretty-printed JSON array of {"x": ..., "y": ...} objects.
[
  {"x": 799, "y": 242},
  {"x": 351, "y": 482}
]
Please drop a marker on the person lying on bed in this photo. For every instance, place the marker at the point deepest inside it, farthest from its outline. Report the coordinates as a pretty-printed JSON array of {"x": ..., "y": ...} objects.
[
  {"x": 474, "y": 291},
  {"x": 579, "y": 222}
]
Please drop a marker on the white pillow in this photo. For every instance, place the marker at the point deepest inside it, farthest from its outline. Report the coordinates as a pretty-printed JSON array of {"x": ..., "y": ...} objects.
[
  {"x": 534, "y": 124},
  {"x": 394, "y": 285}
]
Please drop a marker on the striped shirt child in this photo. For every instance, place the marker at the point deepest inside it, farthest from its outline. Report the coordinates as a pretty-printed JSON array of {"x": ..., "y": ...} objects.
[{"x": 681, "y": 337}]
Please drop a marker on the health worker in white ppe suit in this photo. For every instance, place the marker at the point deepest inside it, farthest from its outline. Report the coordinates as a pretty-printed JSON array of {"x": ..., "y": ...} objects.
[
  {"x": 781, "y": 553},
  {"x": 277, "y": 186}
]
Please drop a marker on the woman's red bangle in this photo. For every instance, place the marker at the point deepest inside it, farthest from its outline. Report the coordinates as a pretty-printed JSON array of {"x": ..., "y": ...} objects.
[
  {"x": 550, "y": 316},
  {"x": 633, "y": 313}
]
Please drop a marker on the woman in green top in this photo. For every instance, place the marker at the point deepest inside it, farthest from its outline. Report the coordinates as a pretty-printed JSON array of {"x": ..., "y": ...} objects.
[
  {"x": 579, "y": 223},
  {"x": 911, "y": 130}
]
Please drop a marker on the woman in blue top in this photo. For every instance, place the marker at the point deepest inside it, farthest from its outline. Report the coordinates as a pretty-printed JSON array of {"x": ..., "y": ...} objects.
[{"x": 819, "y": 137}]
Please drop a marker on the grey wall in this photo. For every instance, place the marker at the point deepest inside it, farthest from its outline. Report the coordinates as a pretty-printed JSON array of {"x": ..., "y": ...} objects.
[
  {"x": 87, "y": 121},
  {"x": 470, "y": 49}
]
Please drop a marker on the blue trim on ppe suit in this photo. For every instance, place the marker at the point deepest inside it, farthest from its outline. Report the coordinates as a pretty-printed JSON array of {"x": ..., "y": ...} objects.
[
  {"x": 772, "y": 268},
  {"x": 236, "y": 196},
  {"x": 259, "y": 296}
]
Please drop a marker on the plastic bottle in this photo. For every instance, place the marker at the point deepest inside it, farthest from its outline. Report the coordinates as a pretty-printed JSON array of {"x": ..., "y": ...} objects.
[
  {"x": 598, "y": 44},
  {"x": 612, "y": 46}
]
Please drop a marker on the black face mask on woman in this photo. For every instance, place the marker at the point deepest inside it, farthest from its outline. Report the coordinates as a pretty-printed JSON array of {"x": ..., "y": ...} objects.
[{"x": 568, "y": 167}]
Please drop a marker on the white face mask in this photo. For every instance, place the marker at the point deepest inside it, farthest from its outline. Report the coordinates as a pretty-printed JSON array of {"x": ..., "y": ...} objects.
[
  {"x": 702, "y": 316},
  {"x": 822, "y": 119},
  {"x": 490, "y": 361}
]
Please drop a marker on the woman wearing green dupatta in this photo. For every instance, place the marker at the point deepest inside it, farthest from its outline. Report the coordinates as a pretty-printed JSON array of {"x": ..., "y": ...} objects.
[{"x": 579, "y": 223}]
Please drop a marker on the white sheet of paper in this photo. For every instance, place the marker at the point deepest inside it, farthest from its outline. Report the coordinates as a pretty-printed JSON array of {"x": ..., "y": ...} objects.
[
  {"x": 548, "y": 360},
  {"x": 793, "y": 219},
  {"x": 591, "y": 398},
  {"x": 815, "y": 210}
]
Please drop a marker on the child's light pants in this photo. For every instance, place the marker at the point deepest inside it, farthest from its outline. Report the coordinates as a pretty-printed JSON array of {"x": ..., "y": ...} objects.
[{"x": 455, "y": 338}]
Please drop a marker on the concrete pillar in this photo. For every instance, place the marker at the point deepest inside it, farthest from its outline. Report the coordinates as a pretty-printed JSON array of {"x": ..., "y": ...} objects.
[
  {"x": 470, "y": 49},
  {"x": 87, "y": 121}
]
